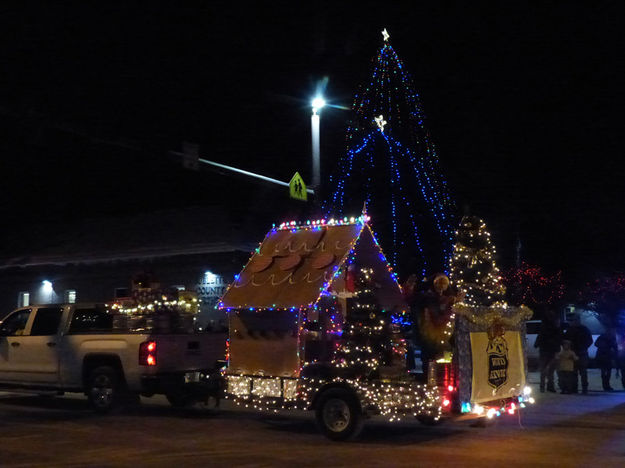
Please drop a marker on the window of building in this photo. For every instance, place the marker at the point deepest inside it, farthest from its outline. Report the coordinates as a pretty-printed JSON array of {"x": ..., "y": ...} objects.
[
  {"x": 47, "y": 321},
  {"x": 23, "y": 299},
  {"x": 70, "y": 296}
]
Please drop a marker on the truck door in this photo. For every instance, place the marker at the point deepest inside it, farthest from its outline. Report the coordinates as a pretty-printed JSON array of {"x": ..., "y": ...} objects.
[
  {"x": 37, "y": 355},
  {"x": 12, "y": 333}
]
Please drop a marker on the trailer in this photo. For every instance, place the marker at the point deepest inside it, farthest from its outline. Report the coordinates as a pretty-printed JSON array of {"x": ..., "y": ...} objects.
[{"x": 317, "y": 322}]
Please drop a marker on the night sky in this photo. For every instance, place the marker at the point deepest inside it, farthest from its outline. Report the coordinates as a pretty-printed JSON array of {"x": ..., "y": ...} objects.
[{"x": 524, "y": 102}]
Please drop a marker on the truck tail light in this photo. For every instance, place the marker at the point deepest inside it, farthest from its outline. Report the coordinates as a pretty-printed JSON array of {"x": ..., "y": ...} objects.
[{"x": 147, "y": 353}]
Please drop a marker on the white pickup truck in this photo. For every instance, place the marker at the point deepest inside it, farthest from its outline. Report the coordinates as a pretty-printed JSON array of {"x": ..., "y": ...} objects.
[{"x": 77, "y": 348}]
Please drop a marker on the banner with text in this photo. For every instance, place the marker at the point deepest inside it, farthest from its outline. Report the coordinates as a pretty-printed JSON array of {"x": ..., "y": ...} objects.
[{"x": 498, "y": 366}]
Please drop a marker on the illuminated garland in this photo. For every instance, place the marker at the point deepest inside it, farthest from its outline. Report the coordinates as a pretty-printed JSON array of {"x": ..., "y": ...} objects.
[
  {"x": 487, "y": 315},
  {"x": 318, "y": 223},
  {"x": 156, "y": 310},
  {"x": 387, "y": 138},
  {"x": 188, "y": 306},
  {"x": 493, "y": 409},
  {"x": 392, "y": 400}
]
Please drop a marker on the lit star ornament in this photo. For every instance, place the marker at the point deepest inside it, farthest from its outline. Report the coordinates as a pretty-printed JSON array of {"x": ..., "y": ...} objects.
[
  {"x": 380, "y": 122},
  {"x": 385, "y": 35}
]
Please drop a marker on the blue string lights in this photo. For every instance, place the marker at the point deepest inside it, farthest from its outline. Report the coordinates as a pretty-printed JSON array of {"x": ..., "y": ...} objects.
[{"x": 392, "y": 164}]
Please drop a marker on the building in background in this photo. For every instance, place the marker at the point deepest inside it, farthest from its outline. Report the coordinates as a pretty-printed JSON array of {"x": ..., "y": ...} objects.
[{"x": 196, "y": 249}]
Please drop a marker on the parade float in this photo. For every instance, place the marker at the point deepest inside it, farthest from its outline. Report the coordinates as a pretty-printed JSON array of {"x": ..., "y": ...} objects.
[{"x": 318, "y": 322}]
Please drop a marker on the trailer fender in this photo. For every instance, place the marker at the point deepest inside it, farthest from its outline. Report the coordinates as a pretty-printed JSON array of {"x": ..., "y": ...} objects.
[{"x": 332, "y": 385}]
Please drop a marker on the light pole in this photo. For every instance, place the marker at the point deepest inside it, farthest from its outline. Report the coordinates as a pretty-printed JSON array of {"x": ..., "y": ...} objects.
[{"x": 317, "y": 104}]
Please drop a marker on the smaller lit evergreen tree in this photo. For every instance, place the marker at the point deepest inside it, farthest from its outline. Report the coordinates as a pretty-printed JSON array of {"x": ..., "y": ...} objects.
[
  {"x": 473, "y": 268},
  {"x": 365, "y": 332}
]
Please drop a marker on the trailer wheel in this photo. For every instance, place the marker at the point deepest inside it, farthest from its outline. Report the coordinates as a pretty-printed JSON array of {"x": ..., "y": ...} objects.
[
  {"x": 484, "y": 422},
  {"x": 103, "y": 389},
  {"x": 428, "y": 420},
  {"x": 338, "y": 414}
]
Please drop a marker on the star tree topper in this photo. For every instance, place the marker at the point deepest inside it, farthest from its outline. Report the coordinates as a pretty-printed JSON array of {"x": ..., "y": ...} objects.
[
  {"x": 385, "y": 35},
  {"x": 380, "y": 122}
]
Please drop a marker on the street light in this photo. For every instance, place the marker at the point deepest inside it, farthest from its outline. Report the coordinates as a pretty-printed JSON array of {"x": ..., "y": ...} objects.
[
  {"x": 317, "y": 103},
  {"x": 46, "y": 292}
]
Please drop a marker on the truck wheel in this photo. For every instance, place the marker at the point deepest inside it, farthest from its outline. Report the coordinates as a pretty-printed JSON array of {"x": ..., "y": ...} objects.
[
  {"x": 338, "y": 414},
  {"x": 103, "y": 388}
]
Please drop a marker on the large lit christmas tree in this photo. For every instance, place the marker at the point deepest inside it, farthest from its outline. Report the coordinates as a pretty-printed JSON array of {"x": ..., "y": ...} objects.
[{"x": 392, "y": 165}]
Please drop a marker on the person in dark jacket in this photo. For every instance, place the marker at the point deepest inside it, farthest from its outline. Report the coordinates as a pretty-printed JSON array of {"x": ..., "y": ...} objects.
[
  {"x": 409, "y": 290},
  {"x": 606, "y": 356},
  {"x": 548, "y": 343},
  {"x": 432, "y": 305},
  {"x": 620, "y": 360},
  {"x": 580, "y": 339}
]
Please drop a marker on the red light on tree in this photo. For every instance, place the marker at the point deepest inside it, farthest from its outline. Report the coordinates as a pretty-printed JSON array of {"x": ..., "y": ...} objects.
[
  {"x": 605, "y": 295},
  {"x": 531, "y": 286}
]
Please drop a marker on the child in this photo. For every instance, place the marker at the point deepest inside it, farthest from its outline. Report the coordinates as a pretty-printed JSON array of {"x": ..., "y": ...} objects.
[{"x": 567, "y": 377}]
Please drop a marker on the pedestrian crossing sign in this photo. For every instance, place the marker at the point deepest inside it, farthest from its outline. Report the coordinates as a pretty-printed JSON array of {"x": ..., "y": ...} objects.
[{"x": 297, "y": 188}]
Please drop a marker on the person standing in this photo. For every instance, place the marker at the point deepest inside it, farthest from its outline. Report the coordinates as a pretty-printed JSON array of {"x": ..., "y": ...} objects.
[
  {"x": 548, "y": 343},
  {"x": 620, "y": 359},
  {"x": 409, "y": 290},
  {"x": 433, "y": 315},
  {"x": 606, "y": 355},
  {"x": 580, "y": 339}
]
